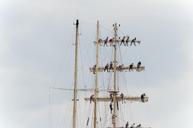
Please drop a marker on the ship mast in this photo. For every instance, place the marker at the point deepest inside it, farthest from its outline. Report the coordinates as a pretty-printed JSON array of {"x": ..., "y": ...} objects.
[
  {"x": 114, "y": 115},
  {"x": 75, "y": 77},
  {"x": 96, "y": 77}
]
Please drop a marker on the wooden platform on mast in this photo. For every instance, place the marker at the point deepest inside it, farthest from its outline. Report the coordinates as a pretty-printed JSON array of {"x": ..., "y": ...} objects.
[
  {"x": 120, "y": 69},
  {"x": 119, "y": 98}
]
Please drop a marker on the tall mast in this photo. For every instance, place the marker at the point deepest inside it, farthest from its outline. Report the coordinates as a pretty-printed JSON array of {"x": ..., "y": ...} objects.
[
  {"x": 75, "y": 77},
  {"x": 114, "y": 115},
  {"x": 96, "y": 76}
]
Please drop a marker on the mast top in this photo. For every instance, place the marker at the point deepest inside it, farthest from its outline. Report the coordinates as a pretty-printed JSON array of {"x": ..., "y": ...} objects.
[{"x": 77, "y": 22}]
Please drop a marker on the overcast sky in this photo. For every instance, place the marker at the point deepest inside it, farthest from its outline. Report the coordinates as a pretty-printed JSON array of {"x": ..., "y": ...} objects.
[{"x": 36, "y": 52}]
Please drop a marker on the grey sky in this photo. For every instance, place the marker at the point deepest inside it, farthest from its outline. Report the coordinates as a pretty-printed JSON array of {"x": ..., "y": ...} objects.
[{"x": 36, "y": 52}]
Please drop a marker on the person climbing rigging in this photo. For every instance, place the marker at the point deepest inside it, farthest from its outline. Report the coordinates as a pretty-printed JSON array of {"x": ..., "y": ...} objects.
[
  {"x": 100, "y": 41},
  {"x": 143, "y": 97},
  {"x": 94, "y": 69},
  {"x": 131, "y": 67},
  {"x": 105, "y": 41},
  {"x": 111, "y": 66},
  {"x": 138, "y": 64},
  {"x": 127, "y": 41},
  {"x": 111, "y": 97},
  {"x": 138, "y": 126},
  {"x": 122, "y": 96},
  {"x": 106, "y": 67},
  {"x": 123, "y": 40},
  {"x": 133, "y": 41},
  {"x": 120, "y": 67},
  {"x": 111, "y": 41},
  {"x": 127, "y": 125},
  {"x": 91, "y": 98},
  {"x": 111, "y": 107}
]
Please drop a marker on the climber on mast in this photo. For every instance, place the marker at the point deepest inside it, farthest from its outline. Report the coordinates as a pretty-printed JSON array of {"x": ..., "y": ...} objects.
[
  {"x": 100, "y": 41},
  {"x": 111, "y": 41},
  {"x": 91, "y": 98},
  {"x": 120, "y": 67},
  {"x": 138, "y": 64},
  {"x": 106, "y": 67},
  {"x": 123, "y": 40},
  {"x": 111, "y": 65},
  {"x": 131, "y": 67},
  {"x": 127, "y": 41},
  {"x": 127, "y": 125},
  {"x": 133, "y": 41},
  {"x": 105, "y": 41},
  {"x": 122, "y": 96},
  {"x": 143, "y": 97},
  {"x": 94, "y": 69},
  {"x": 111, "y": 107},
  {"x": 138, "y": 126}
]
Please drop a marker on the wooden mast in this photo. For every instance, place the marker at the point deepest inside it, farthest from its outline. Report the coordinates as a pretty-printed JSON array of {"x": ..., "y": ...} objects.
[
  {"x": 114, "y": 115},
  {"x": 75, "y": 77},
  {"x": 96, "y": 76}
]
